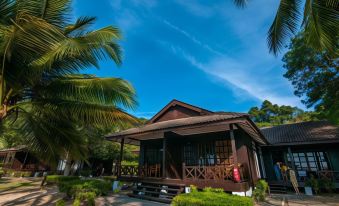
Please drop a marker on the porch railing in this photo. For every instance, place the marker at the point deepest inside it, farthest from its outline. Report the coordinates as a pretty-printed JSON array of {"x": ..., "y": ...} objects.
[
  {"x": 332, "y": 175},
  {"x": 215, "y": 172},
  {"x": 138, "y": 171}
]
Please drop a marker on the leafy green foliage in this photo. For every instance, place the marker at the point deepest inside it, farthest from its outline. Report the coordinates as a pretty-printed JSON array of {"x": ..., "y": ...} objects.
[
  {"x": 82, "y": 190},
  {"x": 319, "y": 18},
  {"x": 327, "y": 184},
  {"x": 314, "y": 75},
  {"x": 260, "y": 191},
  {"x": 272, "y": 114},
  {"x": 210, "y": 197},
  {"x": 42, "y": 54},
  {"x": 55, "y": 179},
  {"x": 60, "y": 202},
  {"x": 314, "y": 183}
]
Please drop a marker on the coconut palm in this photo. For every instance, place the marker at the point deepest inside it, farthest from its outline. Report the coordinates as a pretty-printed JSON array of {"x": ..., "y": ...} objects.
[
  {"x": 319, "y": 19},
  {"x": 42, "y": 55}
]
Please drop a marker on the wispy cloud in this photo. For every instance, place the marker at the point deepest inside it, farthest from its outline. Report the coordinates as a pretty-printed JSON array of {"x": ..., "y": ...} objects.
[
  {"x": 192, "y": 38},
  {"x": 243, "y": 82},
  {"x": 196, "y": 8}
]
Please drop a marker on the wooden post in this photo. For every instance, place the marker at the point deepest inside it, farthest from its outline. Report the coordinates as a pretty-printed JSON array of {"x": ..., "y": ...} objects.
[
  {"x": 183, "y": 171},
  {"x": 262, "y": 163},
  {"x": 234, "y": 148},
  {"x": 23, "y": 164},
  {"x": 164, "y": 158},
  {"x": 121, "y": 155},
  {"x": 291, "y": 157}
]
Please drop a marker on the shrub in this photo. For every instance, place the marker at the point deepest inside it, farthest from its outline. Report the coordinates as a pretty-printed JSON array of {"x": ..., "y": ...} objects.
[
  {"x": 60, "y": 202},
  {"x": 327, "y": 184},
  {"x": 109, "y": 178},
  {"x": 260, "y": 192},
  {"x": 55, "y": 179},
  {"x": 314, "y": 183},
  {"x": 212, "y": 197},
  {"x": 85, "y": 173},
  {"x": 76, "y": 202},
  {"x": 216, "y": 190}
]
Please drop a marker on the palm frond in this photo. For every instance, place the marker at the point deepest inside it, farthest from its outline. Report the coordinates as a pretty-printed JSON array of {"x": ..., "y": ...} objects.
[
  {"x": 85, "y": 50},
  {"x": 285, "y": 24},
  {"x": 81, "y": 24},
  {"x": 240, "y": 3},
  {"x": 322, "y": 25},
  {"x": 105, "y": 91},
  {"x": 50, "y": 136},
  {"x": 6, "y": 10},
  {"x": 55, "y": 12}
]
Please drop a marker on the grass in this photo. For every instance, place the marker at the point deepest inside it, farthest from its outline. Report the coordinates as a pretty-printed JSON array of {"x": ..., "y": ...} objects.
[{"x": 12, "y": 185}]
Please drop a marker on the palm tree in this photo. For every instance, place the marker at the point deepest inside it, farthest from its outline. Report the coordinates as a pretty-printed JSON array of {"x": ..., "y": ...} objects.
[
  {"x": 319, "y": 19},
  {"x": 42, "y": 55}
]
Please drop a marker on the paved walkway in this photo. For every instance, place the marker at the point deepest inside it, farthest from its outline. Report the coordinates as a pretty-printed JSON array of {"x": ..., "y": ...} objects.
[
  {"x": 124, "y": 200},
  {"x": 301, "y": 200},
  {"x": 26, "y": 192}
]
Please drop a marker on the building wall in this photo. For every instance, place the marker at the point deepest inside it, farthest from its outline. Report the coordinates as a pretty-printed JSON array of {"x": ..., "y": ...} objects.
[{"x": 268, "y": 153}]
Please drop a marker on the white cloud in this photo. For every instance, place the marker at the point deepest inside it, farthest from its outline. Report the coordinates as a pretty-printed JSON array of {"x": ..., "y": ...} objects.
[
  {"x": 196, "y": 8},
  {"x": 192, "y": 38},
  {"x": 243, "y": 81}
]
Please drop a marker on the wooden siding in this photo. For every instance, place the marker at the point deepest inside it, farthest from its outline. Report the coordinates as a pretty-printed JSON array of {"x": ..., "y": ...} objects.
[{"x": 176, "y": 112}]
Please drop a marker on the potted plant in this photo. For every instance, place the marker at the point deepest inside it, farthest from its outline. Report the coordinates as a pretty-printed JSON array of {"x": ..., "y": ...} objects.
[{"x": 311, "y": 183}]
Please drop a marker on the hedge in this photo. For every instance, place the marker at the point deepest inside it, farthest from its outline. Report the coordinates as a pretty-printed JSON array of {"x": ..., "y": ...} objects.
[
  {"x": 55, "y": 179},
  {"x": 211, "y": 197}
]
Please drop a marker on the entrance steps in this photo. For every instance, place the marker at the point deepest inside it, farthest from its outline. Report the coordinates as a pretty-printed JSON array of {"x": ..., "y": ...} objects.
[
  {"x": 159, "y": 192},
  {"x": 277, "y": 187}
]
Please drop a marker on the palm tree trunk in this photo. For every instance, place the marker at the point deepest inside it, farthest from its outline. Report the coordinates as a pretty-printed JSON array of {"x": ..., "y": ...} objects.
[{"x": 68, "y": 165}]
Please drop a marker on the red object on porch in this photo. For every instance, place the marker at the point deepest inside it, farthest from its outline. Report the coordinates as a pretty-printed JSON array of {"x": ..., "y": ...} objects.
[{"x": 236, "y": 174}]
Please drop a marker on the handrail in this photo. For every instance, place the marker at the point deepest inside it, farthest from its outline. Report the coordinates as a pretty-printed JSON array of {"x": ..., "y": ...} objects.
[
  {"x": 330, "y": 174},
  {"x": 215, "y": 172}
]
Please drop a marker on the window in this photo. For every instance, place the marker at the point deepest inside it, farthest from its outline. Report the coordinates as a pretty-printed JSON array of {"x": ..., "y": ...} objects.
[
  {"x": 153, "y": 156},
  {"x": 208, "y": 153},
  {"x": 223, "y": 150},
  {"x": 190, "y": 154},
  {"x": 310, "y": 161}
]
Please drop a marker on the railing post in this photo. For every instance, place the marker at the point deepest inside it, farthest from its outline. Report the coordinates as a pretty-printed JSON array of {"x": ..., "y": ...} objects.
[{"x": 183, "y": 171}]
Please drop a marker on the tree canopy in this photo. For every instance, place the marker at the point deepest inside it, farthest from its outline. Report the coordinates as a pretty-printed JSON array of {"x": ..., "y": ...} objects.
[
  {"x": 42, "y": 56},
  {"x": 272, "y": 114},
  {"x": 314, "y": 75},
  {"x": 320, "y": 18}
]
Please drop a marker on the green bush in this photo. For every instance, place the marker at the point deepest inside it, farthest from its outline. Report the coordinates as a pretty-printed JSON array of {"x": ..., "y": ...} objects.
[
  {"x": 85, "y": 173},
  {"x": 60, "y": 202},
  {"x": 260, "y": 191},
  {"x": 314, "y": 183},
  {"x": 88, "y": 196},
  {"x": 55, "y": 179},
  {"x": 109, "y": 178},
  {"x": 211, "y": 197},
  {"x": 326, "y": 184},
  {"x": 76, "y": 202},
  {"x": 216, "y": 190}
]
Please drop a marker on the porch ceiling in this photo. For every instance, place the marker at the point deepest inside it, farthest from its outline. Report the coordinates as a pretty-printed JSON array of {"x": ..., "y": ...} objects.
[{"x": 189, "y": 126}]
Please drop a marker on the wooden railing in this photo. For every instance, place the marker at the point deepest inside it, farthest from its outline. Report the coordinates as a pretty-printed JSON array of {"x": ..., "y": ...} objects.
[
  {"x": 138, "y": 171},
  {"x": 332, "y": 175},
  {"x": 215, "y": 172}
]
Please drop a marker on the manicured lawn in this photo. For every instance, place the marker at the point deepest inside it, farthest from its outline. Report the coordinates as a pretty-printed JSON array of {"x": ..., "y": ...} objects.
[{"x": 5, "y": 184}]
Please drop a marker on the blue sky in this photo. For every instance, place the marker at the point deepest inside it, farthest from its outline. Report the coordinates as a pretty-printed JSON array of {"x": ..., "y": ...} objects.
[{"x": 206, "y": 53}]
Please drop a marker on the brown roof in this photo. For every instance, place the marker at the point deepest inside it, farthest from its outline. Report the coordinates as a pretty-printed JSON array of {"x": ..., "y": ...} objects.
[
  {"x": 175, "y": 102},
  {"x": 180, "y": 123},
  {"x": 302, "y": 133},
  {"x": 17, "y": 148}
]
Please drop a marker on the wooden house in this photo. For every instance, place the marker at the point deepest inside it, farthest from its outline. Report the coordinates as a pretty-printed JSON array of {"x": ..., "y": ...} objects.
[
  {"x": 309, "y": 148},
  {"x": 20, "y": 159},
  {"x": 185, "y": 145}
]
